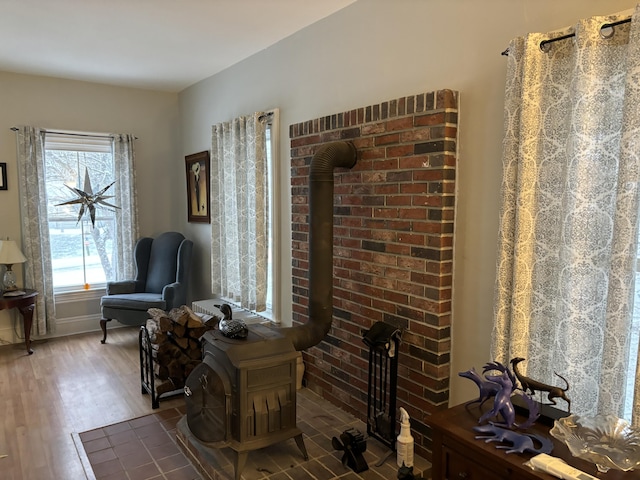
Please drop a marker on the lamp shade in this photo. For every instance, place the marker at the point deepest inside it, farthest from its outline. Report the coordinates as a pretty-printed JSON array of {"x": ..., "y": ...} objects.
[{"x": 10, "y": 253}]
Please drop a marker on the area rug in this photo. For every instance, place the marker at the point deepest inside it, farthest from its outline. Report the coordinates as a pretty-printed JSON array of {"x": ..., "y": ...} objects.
[{"x": 143, "y": 448}]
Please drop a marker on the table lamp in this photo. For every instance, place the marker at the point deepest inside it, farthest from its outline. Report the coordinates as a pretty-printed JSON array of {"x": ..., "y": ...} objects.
[{"x": 10, "y": 254}]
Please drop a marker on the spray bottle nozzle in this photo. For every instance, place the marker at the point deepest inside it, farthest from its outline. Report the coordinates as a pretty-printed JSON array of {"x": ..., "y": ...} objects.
[{"x": 404, "y": 416}]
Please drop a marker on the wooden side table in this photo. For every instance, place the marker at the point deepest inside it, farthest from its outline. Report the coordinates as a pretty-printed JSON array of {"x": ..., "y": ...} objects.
[{"x": 25, "y": 304}]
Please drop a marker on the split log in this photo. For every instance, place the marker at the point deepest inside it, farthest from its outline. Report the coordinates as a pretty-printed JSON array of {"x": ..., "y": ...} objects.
[{"x": 175, "y": 344}]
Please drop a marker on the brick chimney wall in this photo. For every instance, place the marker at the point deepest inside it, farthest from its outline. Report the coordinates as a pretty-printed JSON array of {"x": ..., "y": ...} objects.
[{"x": 393, "y": 249}]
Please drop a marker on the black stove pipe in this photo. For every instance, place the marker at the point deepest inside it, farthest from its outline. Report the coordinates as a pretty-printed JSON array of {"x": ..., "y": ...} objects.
[{"x": 326, "y": 158}]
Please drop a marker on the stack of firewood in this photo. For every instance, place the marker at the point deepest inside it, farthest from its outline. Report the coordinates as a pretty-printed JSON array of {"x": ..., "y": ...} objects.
[{"x": 175, "y": 342}]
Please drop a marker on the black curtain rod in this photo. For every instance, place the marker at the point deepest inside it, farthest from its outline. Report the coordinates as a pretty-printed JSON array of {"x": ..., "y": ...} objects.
[
  {"x": 97, "y": 135},
  {"x": 265, "y": 115},
  {"x": 570, "y": 35}
]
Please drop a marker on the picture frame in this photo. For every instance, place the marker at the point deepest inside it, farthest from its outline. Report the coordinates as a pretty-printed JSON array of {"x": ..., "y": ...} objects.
[
  {"x": 198, "y": 195},
  {"x": 3, "y": 176}
]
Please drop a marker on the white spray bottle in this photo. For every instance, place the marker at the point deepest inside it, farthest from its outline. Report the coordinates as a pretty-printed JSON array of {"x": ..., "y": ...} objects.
[{"x": 404, "y": 443}]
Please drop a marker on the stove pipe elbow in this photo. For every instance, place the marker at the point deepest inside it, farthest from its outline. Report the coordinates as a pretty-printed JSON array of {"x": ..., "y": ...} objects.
[{"x": 327, "y": 157}]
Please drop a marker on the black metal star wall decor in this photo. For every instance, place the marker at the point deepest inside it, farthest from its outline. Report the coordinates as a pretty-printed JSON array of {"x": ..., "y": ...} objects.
[{"x": 88, "y": 200}]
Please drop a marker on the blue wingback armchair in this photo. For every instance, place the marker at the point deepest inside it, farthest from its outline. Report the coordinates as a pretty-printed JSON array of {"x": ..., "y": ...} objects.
[{"x": 162, "y": 267}]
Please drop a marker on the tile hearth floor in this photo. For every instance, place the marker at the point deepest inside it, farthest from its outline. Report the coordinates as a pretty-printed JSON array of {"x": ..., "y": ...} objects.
[{"x": 146, "y": 449}]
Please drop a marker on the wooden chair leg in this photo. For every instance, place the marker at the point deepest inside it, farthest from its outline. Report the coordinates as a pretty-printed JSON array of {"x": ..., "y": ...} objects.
[{"x": 103, "y": 326}]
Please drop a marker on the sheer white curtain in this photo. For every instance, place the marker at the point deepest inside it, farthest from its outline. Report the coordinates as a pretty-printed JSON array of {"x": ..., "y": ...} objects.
[
  {"x": 35, "y": 226},
  {"x": 569, "y": 214},
  {"x": 239, "y": 211}
]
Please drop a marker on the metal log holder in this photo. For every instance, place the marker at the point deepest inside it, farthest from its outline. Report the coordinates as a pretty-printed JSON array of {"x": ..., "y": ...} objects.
[
  {"x": 383, "y": 341},
  {"x": 147, "y": 375}
]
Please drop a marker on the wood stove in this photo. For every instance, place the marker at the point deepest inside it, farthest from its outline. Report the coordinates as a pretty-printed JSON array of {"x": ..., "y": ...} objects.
[{"x": 243, "y": 394}]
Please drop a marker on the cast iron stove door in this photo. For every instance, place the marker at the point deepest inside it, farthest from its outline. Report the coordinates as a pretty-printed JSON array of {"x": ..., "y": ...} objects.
[{"x": 208, "y": 401}]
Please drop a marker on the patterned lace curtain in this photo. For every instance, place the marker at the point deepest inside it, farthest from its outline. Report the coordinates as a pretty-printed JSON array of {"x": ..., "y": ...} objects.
[
  {"x": 239, "y": 211},
  {"x": 35, "y": 226},
  {"x": 569, "y": 214},
  {"x": 125, "y": 197}
]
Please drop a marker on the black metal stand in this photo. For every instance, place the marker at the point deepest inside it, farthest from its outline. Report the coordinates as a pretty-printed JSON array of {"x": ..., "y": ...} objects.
[
  {"x": 147, "y": 375},
  {"x": 383, "y": 341}
]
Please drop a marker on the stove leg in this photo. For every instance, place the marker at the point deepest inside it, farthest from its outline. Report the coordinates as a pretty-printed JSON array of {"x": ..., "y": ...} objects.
[
  {"x": 241, "y": 459},
  {"x": 300, "y": 443}
]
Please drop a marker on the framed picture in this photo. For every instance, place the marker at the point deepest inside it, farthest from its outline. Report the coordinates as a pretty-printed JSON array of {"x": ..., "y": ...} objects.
[
  {"x": 198, "y": 187},
  {"x": 3, "y": 176}
]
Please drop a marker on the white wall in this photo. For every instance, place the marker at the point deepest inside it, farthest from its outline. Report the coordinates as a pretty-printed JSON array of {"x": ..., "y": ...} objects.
[
  {"x": 377, "y": 50},
  {"x": 69, "y": 105}
]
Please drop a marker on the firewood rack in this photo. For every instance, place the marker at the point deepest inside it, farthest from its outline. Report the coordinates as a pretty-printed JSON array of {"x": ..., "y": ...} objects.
[
  {"x": 147, "y": 375},
  {"x": 383, "y": 341}
]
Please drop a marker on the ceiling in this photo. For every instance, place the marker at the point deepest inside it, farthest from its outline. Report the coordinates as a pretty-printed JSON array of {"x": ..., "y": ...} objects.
[{"x": 155, "y": 44}]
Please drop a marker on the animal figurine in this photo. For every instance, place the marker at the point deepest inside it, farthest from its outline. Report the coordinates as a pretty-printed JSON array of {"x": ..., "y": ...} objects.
[
  {"x": 501, "y": 388},
  {"x": 229, "y": 327},
  {"x": 519, "y": 442},
  {"x": 531, "y": 386},
  {"x": 487, "y": 389},
  {"x": 502, "y": 401},
  {"x": 502, "y": 404},
  {"x": 491, "y": 366}
]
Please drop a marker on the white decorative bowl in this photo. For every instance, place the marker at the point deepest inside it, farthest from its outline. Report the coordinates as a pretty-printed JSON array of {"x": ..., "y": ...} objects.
[{"x": 606, "y": 440}]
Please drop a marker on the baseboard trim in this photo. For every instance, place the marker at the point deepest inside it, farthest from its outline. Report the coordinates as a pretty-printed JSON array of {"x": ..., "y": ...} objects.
[{"x": 64, "y": 328}]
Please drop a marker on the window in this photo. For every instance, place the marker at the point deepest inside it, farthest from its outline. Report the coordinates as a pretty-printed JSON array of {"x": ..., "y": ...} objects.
[
  {"x": 81, "y": 252},
  {"x": 245, "y": 213},
  {"x": 635, "y": 339}
]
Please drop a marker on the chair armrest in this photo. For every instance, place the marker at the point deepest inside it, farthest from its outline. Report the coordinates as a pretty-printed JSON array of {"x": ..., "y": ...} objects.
[
  {"x": 118, "y": 288},
  {"x": 174, "y": 294}
]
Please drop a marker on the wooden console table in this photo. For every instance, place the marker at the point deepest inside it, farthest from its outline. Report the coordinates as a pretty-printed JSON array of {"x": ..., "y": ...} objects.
[
  {"x": 25, "y": 304},
  {"x": 456, "y": 454}
]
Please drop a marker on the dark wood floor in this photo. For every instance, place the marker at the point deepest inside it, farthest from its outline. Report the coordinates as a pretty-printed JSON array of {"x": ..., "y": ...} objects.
[{"x": 69, "y": 385}]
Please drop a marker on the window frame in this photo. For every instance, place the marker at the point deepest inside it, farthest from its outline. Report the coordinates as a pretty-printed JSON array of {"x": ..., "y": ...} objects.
[
  {"x": 274, "y": 313},
  {"x": 78, "y": 142},
  {"x": 275, "y": 185}
]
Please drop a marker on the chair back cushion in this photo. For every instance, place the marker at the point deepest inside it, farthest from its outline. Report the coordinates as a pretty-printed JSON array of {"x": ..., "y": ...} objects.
[{"x": 163, "y": 261}]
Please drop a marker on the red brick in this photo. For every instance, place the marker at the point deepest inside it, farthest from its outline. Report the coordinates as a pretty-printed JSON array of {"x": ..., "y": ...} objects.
[
  {"x": 411, "y": 239},
  {"x": 411, "y": 288},
  {"x": 399, "y": 124},
  {"x": 446, "y": 99},
  {"x": 302, "y": 141},
  {"x": 427, "y": 201},
  {"x": 391, "y": 202},
  {"x": 383, "y": 235},
  {"x": 398, "y": 200},
  {"x": 373, "y": 129},
  {"x": 385, "y": 164},
  {"x": 383, "y": 282},
  {"x": 414, "y": 213},
  {"x": 387, "y": 139},
  {"x": 362, "y": 143},
  {"x": 387, "y": 213},
  {"x": 386, "y": 189},
  {"x": 400, "y": 151},
  {"x": 416, "y": 135},
  {"x": 397, "y": 249},
  {"x": 430, "y": 119},
  {"x": 374, "y": 177}
]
